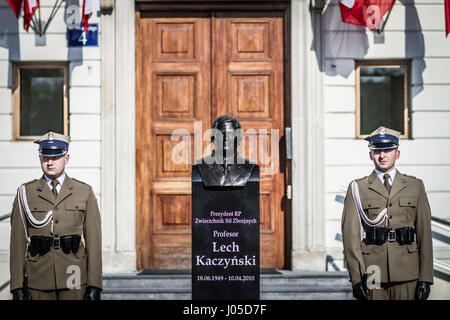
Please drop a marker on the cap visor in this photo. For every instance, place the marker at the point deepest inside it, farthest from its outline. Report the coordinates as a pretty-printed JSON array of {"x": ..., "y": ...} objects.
[
  {"x": 382, "y": 146},
  {"x": 52, "y": 152}
]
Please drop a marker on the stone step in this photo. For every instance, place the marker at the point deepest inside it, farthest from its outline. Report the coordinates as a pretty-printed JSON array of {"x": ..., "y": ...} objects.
[
  {"x": 286, "y": 285},
  {"x": 133, "y": 281},
  {"x": 298, "y": 295},
  {"x": 146, "y": 281}
]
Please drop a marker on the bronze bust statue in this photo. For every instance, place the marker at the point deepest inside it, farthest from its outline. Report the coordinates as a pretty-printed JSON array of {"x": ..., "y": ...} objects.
[{"x": 225, "y": 167}]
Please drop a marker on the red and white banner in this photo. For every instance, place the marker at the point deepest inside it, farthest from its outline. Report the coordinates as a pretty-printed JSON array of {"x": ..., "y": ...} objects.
[
  {"x": 16, "y": 5},
  {"x": 367, "y": 13},
  {"x": 89, "y": 7},
  {"x": 29, "y": 8},
  {"x": 447, "y": 17}
]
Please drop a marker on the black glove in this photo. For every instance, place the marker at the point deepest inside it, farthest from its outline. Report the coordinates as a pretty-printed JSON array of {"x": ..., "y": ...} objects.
[
  {"x": 360, "y": 290},
  {"x": 92, "y": 293},
  {"x": 422, "y": 290},
  {"x": 21, "y": 294}
]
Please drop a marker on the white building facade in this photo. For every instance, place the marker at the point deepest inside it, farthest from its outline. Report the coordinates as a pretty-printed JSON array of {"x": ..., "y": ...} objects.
[{"x": 326, "y": 155}]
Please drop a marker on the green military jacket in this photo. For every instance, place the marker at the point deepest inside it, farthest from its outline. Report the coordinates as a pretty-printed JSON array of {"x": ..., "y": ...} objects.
[
  {"x": 407, "y": 206},
  {"x": 75, "y": 211}
]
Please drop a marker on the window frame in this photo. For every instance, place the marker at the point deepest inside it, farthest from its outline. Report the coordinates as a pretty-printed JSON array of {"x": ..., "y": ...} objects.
[
  {"x": 17, "y": 66},
  {"x": 385, "y": 63}
]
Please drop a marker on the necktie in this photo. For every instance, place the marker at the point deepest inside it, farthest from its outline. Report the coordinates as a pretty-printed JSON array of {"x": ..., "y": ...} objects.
[
  {"x": 54, "y": 190},
  {"x": 386, "y": 183}
]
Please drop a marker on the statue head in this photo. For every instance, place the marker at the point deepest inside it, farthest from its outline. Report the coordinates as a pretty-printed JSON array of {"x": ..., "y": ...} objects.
[{"x": 226, "y": 136}]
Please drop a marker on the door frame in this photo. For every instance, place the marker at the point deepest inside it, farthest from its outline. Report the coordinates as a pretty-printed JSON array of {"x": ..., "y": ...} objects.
[{"x": 170, "y": 6}]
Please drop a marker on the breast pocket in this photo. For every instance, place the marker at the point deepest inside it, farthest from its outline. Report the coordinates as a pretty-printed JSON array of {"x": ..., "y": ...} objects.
[
  {"x": 373, "y": 207},
  {"x": 38, "y": 210},
  {"x": 408, "y": 206},
  {"x": 75, "y": 212}
]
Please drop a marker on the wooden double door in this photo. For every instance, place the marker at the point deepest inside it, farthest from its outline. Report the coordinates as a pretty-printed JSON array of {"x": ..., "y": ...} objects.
[{"x": 190, "y": 69}]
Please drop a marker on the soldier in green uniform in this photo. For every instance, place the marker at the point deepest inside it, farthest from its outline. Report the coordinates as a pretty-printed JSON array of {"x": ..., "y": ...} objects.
[
  {"x": 55, "y": 248},
  {"x": 394, "y": 212}
]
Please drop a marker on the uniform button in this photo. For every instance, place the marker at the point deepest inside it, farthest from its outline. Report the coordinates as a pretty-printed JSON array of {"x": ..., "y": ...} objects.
[
  {"x": 390, "y": 204},
  {"x": 56, "y": 235},
  {"x": 369, "y": 205},
  {"x": 56, "y": 208},
  {"x": 56, "y": 220},
  {"x": 390, "y": 217}
]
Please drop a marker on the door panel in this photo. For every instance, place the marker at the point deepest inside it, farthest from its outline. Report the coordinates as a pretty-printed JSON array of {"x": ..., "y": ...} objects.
[
  {"x": 173, "y": 74},
  {"x": 197, "y": 68},
  {"x": 248, "y": 52}
]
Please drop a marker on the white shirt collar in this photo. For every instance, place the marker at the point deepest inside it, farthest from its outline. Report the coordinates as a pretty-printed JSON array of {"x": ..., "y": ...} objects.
[
  {"x": 60, "y": 180},
  {"x": 381, "y": 175}
]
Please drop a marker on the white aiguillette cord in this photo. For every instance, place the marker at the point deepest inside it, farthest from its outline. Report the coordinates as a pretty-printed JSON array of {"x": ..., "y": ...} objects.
[
  {"x": 382, "y": 216},
  {"x": 25, "y": 210}
]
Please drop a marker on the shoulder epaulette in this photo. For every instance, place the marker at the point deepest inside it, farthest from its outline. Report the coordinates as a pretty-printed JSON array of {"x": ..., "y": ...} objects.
[
  {"x": 82, "y": 182},
  {"x": 413, "y": 177},
  {"x": 31, "y": 181}
]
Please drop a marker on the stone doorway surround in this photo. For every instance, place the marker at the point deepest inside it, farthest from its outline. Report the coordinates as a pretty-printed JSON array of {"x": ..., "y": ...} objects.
[{"x": 118, "y": 140}]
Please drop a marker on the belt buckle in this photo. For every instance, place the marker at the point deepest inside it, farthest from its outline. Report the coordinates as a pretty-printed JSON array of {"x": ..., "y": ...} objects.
[
  {"x": 56, "y": 243},
  {"x": 392, "y": 236}
]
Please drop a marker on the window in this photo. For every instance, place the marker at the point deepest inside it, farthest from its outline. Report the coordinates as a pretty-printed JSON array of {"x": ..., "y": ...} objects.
[
  {"x": 40, "y": 99},
  {"x": 383, "y": 96}
]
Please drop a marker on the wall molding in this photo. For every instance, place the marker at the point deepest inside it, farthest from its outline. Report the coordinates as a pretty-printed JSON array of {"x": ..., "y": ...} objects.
[{"x": 308, "y": 214}]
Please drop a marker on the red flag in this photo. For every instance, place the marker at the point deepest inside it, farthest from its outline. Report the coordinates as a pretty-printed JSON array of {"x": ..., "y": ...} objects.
[
  {"x": 447, "y": 17},
  {"x": 367, "y": 13},
  {"x": 89, "y": 7},
  {"x": 16, "y": 5},
  {"x": 29, "y": 8}
]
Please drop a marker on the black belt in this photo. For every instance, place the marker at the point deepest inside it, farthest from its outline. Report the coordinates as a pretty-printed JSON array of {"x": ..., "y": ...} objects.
[
  {"x": 43, "y": 244},
  {"x": 379, "y": 235}
]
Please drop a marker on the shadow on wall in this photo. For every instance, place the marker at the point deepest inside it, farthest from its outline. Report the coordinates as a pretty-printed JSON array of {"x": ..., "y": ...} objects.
[
  {"x": 414, "y": 45},
  {"x": 74, "y": 54},
  {"x": 9, "y": 37},
  {"x": 343, "y": 42}
]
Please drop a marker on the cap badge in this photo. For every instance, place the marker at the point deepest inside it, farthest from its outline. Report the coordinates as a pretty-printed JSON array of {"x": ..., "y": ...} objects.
[{"x": 381, "y": 131}]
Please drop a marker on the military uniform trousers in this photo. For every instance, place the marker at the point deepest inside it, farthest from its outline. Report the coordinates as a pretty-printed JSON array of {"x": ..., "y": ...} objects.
[
  {"x": 62, "y": 294},
  {"x": 394, "y": 291}
]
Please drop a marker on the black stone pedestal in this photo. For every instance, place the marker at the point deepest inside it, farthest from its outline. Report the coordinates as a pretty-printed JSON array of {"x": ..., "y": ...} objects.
[{"x": 225, "y": 240}]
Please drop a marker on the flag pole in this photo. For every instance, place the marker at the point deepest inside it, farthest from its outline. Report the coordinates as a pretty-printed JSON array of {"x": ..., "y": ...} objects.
[
  {"x": 36, "y": 28},
  {"x": 40, "y": 21},
  {"x": 52, "y": 15},
  {"x": 33, "y": 26},
  {"x": 385, "y": 20}
]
